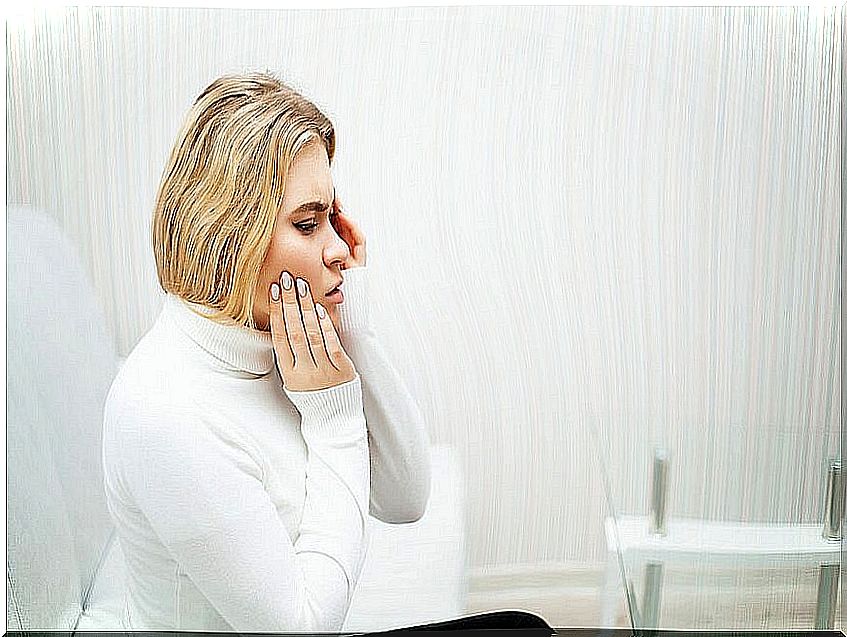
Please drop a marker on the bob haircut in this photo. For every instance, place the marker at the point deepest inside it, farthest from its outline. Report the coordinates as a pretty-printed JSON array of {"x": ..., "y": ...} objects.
[{"x": 222, "y": 189}]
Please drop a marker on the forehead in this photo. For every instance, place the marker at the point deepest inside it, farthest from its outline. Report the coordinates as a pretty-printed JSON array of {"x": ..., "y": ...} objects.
[{"x": 309, "y": 178}]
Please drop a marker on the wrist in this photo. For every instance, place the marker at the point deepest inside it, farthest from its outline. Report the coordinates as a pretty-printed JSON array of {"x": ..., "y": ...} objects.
[{"x": 354, "y": 312}]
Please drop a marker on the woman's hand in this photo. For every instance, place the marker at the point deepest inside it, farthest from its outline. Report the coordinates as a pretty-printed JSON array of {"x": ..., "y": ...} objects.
[
  {"x": 307, "y": 359},
  {"x": 353, "y": 237}
]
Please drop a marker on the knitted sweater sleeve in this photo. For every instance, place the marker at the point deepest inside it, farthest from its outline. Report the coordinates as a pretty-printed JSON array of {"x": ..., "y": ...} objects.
[
  {"x": 398, "y": 442},
  {"x": 200, "y": 486}
]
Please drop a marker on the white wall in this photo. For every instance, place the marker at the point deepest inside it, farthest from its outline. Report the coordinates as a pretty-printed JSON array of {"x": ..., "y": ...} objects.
[{"x": 614, "y": 218}]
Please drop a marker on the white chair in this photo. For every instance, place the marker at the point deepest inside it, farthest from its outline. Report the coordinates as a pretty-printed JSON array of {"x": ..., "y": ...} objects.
[{"x": 60, "y": 361}]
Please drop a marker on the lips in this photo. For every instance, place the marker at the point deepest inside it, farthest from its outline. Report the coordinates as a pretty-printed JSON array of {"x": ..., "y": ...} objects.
[{"x": 336, "y": 287}]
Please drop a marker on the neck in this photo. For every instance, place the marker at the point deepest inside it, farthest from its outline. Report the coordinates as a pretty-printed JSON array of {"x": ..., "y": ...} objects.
[{"x": 237, "y": 346}]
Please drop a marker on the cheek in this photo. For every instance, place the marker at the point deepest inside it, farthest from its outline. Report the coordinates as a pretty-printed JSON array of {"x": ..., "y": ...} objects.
[
  {"x": 279, "y": 252},
  {"x": 270, "y": 271},
  {"x": 272, "y": 258},
  {"x": 294, "y": 256}
]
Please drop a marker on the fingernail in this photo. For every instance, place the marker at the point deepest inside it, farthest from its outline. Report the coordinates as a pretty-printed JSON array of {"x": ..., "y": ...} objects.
[
  {"x": 274, "y": 291},
  {"x": 302, "y": 286},
  {"x": 321, "y": 310},
  {"x": 286, "y": 280}
]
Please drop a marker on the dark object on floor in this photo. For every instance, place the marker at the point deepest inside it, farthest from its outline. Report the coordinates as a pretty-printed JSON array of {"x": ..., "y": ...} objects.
[{"x": 497, "y": 620}]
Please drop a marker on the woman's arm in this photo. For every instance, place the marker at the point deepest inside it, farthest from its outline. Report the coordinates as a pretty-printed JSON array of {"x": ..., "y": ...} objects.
[
  {"x": 397, "y": 435},
  {"x": 200, "y": 485}
]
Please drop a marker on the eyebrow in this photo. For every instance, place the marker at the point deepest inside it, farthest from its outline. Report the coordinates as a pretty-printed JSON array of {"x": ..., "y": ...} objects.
[{"x": 311, "y": 206}]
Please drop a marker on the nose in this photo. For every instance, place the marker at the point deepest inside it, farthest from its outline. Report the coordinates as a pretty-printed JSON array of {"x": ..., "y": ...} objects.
[{"x": 336, "y": 250}]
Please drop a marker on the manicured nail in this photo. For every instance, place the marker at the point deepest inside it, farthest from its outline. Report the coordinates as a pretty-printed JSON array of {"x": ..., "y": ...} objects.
[
  {"x": 286, "y": 280},
  {"x": 321, "y": 310},
  {"x": 302, "y": 286},
  {"x": 275, "y": 291}
]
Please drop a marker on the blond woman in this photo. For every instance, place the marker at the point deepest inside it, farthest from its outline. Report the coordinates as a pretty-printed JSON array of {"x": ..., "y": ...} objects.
[{"x": 256, "y": 425}]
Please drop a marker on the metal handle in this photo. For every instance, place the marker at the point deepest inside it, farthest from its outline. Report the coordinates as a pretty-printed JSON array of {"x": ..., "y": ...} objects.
[
  {"x": 834, "y": 502},
  {"x": 658, "y": 493}
]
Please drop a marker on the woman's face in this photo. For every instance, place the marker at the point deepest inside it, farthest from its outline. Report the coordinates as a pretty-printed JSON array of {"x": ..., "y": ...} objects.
[{"x": 304, "y": 241}]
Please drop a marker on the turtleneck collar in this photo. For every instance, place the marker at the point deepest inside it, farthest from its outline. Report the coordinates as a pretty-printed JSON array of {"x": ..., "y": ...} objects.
[{"x": 235, "y": 345}]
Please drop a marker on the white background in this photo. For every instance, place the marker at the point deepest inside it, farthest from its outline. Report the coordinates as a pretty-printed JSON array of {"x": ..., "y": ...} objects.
[{"x": 613, "y": 224}]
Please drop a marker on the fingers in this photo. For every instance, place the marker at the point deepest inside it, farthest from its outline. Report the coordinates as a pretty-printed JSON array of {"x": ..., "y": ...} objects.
[
  {"x": 309, "y": 352},
  {"x": 279, "y": 334},
  {"x": 314, "y": 335},
  {"x": 333, "y": 349},
  {"x": 342, "y": 226},
  {"x": 352, "y": 235},
  {"x": 357, "y": 234},
  {"x": 297, "y": 330},
  {"x": 278, "y": 295},
  {"x": 351, "y": 227}
]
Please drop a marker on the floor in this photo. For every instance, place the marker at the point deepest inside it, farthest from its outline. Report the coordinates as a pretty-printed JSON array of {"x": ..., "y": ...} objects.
[{"x": 698, "y": 600}]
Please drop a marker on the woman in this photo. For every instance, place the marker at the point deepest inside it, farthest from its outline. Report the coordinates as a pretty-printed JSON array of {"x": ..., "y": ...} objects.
[{"x": 254, "y": 427}]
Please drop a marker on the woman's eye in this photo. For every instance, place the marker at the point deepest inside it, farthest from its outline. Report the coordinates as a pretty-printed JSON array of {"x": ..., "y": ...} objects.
[{"x": 308, "y": 227}]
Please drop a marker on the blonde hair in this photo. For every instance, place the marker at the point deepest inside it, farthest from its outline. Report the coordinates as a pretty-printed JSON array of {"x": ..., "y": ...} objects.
[{"x": 223, "y": 186}]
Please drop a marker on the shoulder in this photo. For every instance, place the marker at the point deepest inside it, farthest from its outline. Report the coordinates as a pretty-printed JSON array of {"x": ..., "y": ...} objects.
[
  {"x": 159, "y": 441},
  {"x": 149, "y": 379},
  {"x": 153, "y": 399},
  {"x": 154, "y": 417}
]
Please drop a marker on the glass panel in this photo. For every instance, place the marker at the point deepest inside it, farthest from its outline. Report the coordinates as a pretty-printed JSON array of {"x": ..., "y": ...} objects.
[{"x": 722, "y": 481}]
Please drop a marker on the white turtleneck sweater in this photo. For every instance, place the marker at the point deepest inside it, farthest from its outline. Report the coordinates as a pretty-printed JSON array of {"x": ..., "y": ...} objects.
[{"x": 240, "y": 505}]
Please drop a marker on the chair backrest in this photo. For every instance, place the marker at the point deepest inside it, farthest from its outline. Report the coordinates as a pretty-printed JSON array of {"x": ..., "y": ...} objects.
[{"x": 60, "y": 362}]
